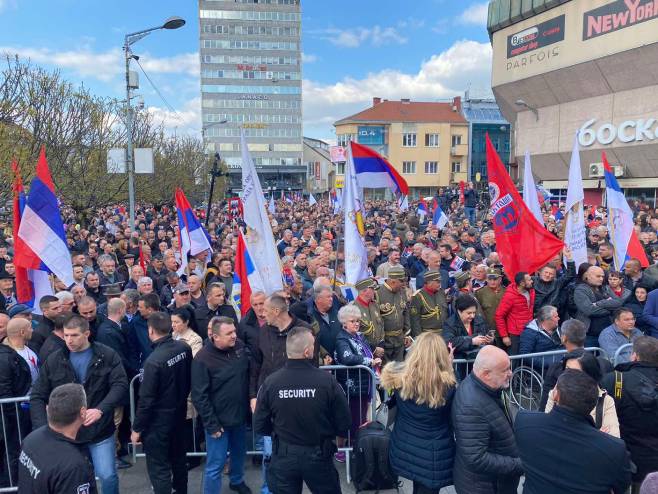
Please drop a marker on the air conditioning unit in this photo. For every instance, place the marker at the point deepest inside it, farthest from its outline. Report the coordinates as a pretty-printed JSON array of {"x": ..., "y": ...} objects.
[
  {"x": 619, "y": 170},
  {"x": 596, "y": 170}
]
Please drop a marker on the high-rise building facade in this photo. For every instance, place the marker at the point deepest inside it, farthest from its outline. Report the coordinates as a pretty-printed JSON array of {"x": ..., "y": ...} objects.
[{"x": 251, "y": 79}]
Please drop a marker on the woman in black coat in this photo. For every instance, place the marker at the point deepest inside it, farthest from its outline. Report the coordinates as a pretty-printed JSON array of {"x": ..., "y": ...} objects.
[
  {"x": 422, "y": 446},
  {"x": 466, "y": 330},
  {"x": 636, "y": 303}
]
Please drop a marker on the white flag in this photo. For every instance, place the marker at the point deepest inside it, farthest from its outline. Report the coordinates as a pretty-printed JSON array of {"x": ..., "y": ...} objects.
[
  {"x": 259, "y": 238},
  {"x": 574, "y": 233},
  {"x": 530, "y": 191},
  {"x": 271, "y": 207},
  {"x": 404, "y": 204},
  {"x": 311, "y": 200},
  {"x": 356, "y": 253}
]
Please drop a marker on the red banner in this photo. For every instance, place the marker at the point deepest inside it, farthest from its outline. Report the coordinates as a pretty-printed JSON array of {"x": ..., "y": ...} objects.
[{"x": 521, "y": 241}]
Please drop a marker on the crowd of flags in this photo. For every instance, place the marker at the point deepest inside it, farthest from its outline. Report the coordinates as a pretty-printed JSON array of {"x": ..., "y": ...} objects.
[{"x": 523, "y": 243}]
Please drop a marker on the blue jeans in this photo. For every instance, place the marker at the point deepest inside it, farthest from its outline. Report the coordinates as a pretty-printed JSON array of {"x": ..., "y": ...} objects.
[
  {"x": 267, "y": 455},
  {"x": 103, "y": 456},
  {"x": 470, "y": 214},
  {"x": 233, "y": 440}
]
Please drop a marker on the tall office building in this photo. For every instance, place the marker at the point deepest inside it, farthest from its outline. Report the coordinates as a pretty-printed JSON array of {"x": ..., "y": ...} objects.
[{"x": 251, "y": 78}]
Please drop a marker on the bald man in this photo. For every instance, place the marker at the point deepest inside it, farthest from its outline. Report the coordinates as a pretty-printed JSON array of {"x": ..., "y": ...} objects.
[
  {"x": 19, "y": 332},
  {"x": 487, "y": 459},
  {"x": 594, "y": 308}
]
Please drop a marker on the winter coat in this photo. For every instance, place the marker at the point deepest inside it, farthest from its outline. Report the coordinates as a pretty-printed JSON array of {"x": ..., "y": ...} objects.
[
  {"x": 534, "y": 340},
  {"x": 651, "y": 313},
  {"x": 487, "y": 459},
  {"x": 594, "y": 308},
  {"x": 553, "y": 293},
  {"x": 353, "y": 350},
  {"x": 637, "y": 308},
  {"x": 422, "y": 447},
  {"x": 609, "y": 419},
  {"x": 454, "y": 332},
  {"x": 514, "y": 312},
  {"x": 637, "y": 409}
]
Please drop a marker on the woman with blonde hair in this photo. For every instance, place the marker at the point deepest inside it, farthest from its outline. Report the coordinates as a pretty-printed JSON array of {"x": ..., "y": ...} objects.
[{"x": 422, "y": 446}]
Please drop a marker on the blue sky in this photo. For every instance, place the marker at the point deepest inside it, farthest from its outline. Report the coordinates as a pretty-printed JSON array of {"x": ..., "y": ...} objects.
[{"x": 353, "y": 50}]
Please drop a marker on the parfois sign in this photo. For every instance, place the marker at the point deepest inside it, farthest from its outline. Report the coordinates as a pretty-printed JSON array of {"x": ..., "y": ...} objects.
[{"x": 617, "y": 15}]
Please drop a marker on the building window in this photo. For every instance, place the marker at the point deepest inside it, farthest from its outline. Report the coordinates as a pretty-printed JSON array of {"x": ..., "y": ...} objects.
[
  {"x": 456, "y": 140},
  {"x": 408, "y": 167},
  {"x": 431, "y": 167},
  {"x": 344, "y": 139},
  {"x": 456, "y": 166},
  {"x": 340, "y": 168},
  {"x": 432, "y": 140},
  {"x": 409, "y": 140}
]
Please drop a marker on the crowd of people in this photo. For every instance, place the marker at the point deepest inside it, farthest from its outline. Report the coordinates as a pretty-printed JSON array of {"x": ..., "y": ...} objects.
[{"x": 209, "y": 375}]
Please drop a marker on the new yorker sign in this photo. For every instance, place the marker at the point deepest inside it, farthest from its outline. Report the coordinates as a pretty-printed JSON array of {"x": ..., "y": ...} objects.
[{"x": 618, "y": 15}]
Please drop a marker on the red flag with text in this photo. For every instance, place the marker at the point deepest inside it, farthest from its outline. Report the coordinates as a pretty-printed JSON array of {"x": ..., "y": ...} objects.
[{"x": 522, "y": 243}]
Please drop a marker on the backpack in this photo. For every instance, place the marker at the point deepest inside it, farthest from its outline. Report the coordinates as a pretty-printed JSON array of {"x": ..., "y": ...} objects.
[{"x": 370, "y": 468}]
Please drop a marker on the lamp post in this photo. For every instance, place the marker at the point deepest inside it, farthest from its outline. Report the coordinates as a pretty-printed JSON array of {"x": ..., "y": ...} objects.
[
  {"x": 215, "y": 172},
  {"x": 130, "y": 39}
]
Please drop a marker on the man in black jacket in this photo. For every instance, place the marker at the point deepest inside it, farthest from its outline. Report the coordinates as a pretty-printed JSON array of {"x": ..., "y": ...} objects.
[
  {"x": 321, "y": 312},
  {"x": 100, "y": 369},
  {"x": 551, "y": 445},
  {"x": 634, "y": 386},
  {"x": 88, "y": 308},
  {"x": 550, "y": 289},
  {"x": 160, "y": 418},
  {"x": 253, "y": 321},
  {"x": 113, "y": 334},
  {"x": 52, "y": 461},
  {"x": 487, "y": 460},
  {"x": 50, "y": 307},
  {"x": 220, "y": 386},
  {"x": 215, "y": 306},
  {"x": 15, "y": 381}
]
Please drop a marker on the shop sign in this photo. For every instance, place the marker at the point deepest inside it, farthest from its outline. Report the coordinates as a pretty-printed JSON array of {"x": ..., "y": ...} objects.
[
  {"x": 627, "y": 131},
  {"x": 617, "y": 15},
  {"x": 536, "y": 37}
]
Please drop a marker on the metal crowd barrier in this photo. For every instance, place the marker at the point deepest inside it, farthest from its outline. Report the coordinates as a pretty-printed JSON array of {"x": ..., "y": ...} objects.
[
  {"x": 351, "y": 379},
  {"x": 15, "y": 421},
  {"x": 528, "y": 371},
  {"x": 622, "y": 349}
]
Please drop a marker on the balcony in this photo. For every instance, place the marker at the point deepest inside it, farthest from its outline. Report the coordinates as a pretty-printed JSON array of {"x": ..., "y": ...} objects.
[
  {"x": 456, "y": 177},
  {"x": 459, "y": 150}
]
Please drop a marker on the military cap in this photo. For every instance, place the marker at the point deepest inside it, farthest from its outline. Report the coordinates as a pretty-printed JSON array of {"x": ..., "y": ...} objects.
[
  {"x": 432, "y": 275},
  {"x": 494, "y": 273},
  {"x": 112, "y": 290},
  {"x": 365, "y": 283},
  {"x": 461, "y": 276},
  {"x": 396, "y": 273}
]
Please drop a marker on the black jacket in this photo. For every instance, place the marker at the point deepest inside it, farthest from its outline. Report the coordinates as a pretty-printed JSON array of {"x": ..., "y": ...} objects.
[
  {"x": 53, "y": 464},
  {"x": 204, "y": 314},
  {"x": 487, "y": 459},
  {"x": 165, "y": 387},
  {"x": 326, "y": 331},
  {"x": 15, "y": 376},
  {"x": 302, "y": 405},
  {"x": 116, "y": 337},
  {"x": 554, "y": 293},
  {"x": 562, "y": 453},
  {"x": 50, "y": 346},
  {"x": 454, "y": 332},
  {"x": 350, "y": 351},
  {"x": 106, "y": 387},
  {"x": 637, "y": 410},
  {"x": 248, "y": 330},
  {"x": 270, "y": 353},
  {"x": 40, "y": 333},
  {"x": 220, "y": 385}
]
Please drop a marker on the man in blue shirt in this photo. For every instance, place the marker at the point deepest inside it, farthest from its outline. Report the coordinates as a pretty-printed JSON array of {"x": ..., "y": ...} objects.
[{"x": 621, "y": 332}]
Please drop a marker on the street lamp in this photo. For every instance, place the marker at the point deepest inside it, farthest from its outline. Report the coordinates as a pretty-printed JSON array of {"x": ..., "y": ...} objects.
[
  {"x": 215, "y": 172},
  {"x": 520, "y": 102},
  {"x": 130, "y": 39}
]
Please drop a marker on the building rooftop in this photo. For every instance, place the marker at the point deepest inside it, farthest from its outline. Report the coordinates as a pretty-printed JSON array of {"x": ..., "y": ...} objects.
[
  {"x": 503, "y": 13},
  {"x": 406, "y": 110}
]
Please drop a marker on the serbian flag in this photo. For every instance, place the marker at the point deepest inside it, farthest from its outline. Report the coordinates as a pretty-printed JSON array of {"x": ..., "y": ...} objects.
[
  {"x": 522, "y": 243},
  {"x": 422, "y": 209},
  {"x": 243, "y": 276},
  {"x": 24, "y": 286},
  {"x": 40, "y": 245},
  {"x": 373, "y": 171},
  {"x": 620, "y": 222},
  {"x": 439, "y": 218},
  {"x": 192, "y": 237}
]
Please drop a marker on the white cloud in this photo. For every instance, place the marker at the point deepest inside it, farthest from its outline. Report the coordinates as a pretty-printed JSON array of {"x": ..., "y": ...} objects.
[
  {"x": 105, "y": 66},
  {"x": 8, "y": 4},
  {"x": 309, "y": 58},
  {"x": 355, "y": 37},
  {"x": 465, "y": 64},
  {"x": 475, "y": 14},
  {"x": 187, "y": 120}
]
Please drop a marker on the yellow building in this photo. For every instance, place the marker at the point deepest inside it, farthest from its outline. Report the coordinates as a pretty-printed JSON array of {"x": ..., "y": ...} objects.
[{"x": 427, "y": 142}]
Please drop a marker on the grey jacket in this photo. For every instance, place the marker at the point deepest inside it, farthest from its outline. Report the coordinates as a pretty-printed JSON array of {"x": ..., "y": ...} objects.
[{"x": 588, "y": 306}]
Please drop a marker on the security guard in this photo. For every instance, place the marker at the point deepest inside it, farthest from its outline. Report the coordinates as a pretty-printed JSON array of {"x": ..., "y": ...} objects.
[
  {"x": 52, "y": 461},
  {"x": 372, "y": 325},
  {"x": 160, "y": 418},
  {"x": 429, "y": 308},
  {"x": 392, "y": 300},
  {"x": 304, "y": 409}
]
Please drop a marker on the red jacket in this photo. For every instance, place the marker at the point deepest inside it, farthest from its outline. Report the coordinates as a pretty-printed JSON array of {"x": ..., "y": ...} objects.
[{"x": 514, "y": 312}]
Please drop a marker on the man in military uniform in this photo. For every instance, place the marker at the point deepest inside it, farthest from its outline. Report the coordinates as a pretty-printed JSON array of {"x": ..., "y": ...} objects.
[
  {"x": 372, "y": 325},
  {"x": 304, "y": 409},
  {"x": 489, "y": 298},
  {"x": 392, "y": 301},
  {"x": 429, "y": 308}
]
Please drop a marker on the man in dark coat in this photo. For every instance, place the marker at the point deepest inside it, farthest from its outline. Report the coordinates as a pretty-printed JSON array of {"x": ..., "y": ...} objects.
[
  {"x": 634, "y": 386},
  {"x": 551, "y": 444},
  {"x": 550, "y": 287},
  {"x": 487, "y": 459}
]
